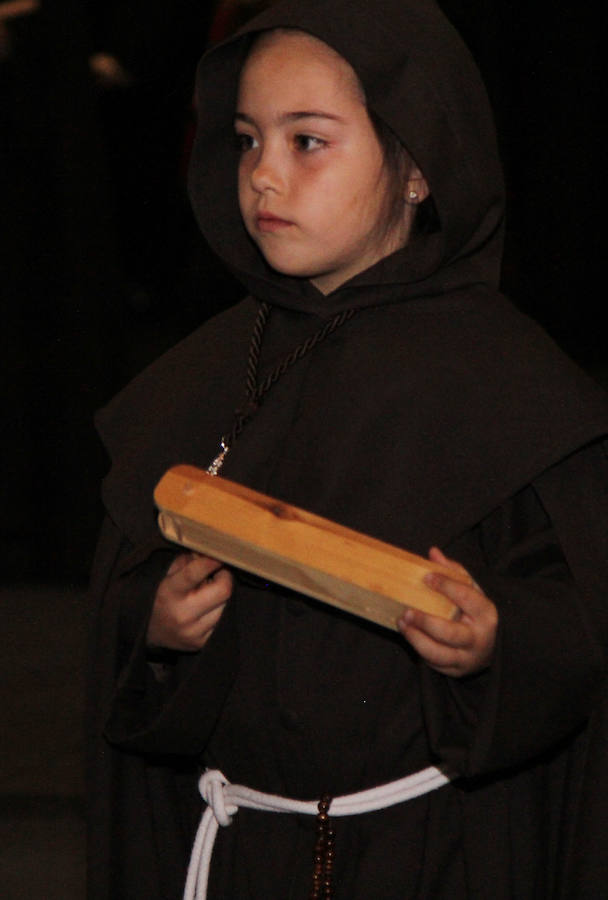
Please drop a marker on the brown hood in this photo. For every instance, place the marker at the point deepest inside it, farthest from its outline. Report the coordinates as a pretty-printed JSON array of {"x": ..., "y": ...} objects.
[{"x": 420, "y": 79}]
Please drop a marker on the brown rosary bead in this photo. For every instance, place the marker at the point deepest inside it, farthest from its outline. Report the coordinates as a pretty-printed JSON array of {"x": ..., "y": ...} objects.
[{"x": 324, "y": 853}]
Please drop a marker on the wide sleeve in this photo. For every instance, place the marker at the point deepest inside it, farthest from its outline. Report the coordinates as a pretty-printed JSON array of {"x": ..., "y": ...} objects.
[
  {"x": 542, "y": 558},
  {"x": 165, "y": 704},
  {"x": 130, "y": 798}
]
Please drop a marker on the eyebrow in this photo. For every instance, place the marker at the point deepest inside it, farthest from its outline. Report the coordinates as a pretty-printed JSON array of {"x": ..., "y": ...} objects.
[{"x": 292, "y": 116}]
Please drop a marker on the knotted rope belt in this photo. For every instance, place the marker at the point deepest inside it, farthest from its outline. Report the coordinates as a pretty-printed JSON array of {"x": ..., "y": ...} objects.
[{"x": 224, "y": 799}]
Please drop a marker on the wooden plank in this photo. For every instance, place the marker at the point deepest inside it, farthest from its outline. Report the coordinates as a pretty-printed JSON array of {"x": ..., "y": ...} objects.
[{"x": 296, "y": 548}]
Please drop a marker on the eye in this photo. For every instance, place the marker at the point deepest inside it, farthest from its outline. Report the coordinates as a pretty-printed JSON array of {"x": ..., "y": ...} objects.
[
  {"x": 245, "y": 141},
  {"x": 307, "y": 143}
]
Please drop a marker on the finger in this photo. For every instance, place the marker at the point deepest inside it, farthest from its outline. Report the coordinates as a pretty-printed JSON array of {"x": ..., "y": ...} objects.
[
  {"x": 216, "y": 589},
  {"x": 182, "y": 626},
  {"x": 439, "y": 656},
  {"x": 195, "y": 573},
  {"x": 448, "y": 633},
  {"x": 468, "y": 598},
  {"x": 207, "y": 596},
  {"x": 205, "y": 623},
  {"x": 435, "y": 555},
  {"x": 197, "y": 633},
  {"x": 178, "y": 563}
]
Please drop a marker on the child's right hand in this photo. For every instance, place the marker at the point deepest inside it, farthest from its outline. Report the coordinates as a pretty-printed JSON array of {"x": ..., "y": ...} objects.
[{"x": 188, "y": 603}]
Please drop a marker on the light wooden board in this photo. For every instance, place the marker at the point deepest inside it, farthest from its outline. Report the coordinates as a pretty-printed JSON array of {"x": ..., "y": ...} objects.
[{"x": 295, "y": 548}]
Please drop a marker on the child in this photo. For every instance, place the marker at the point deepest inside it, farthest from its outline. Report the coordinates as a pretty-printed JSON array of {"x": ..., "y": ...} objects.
[{"x": 418, "y": 407}]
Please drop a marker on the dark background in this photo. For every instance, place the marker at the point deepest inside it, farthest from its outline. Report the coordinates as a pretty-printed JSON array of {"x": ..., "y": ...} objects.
[
  {"x": 102, "y": 265},
  {"x": 102, "y": 269}
]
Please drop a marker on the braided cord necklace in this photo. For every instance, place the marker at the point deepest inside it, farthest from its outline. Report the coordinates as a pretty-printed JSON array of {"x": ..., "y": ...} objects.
[{"x": 255, "y": 391}]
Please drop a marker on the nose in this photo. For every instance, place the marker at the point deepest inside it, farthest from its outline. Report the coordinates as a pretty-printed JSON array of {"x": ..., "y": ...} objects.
[{"x": 267, "y": 174}]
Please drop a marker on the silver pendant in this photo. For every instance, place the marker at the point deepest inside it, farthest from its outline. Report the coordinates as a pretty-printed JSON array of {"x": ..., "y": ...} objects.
[{"x": 216, "y": 464}]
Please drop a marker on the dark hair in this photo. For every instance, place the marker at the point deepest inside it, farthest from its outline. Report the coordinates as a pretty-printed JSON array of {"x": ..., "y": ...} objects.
[{"x": 398, "y": 164}]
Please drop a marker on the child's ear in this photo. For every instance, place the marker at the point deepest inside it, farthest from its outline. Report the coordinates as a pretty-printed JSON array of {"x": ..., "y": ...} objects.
[{"x": 417, "y": 189}]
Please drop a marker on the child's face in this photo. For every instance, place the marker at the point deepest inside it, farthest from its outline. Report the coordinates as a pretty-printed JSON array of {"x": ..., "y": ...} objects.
[{"x": 312, "y": 184}]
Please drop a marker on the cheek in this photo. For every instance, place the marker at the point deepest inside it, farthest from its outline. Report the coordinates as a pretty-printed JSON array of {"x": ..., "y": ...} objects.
[
  {"x": 362, "y": 186},
  {"x": 244, "y": 194},
  {"x": 360, "y": 208}
]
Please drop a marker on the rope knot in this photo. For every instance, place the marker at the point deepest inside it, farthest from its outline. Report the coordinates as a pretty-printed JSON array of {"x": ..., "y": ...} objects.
[{"x": 211, "y": 786}]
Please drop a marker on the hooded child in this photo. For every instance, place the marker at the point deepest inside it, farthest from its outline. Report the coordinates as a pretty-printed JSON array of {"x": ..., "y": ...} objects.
[{"x": 346, "y": 170}]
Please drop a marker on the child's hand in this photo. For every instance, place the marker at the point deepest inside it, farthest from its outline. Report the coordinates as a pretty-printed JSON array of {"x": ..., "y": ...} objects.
[
  {"x": 189, "y": 602},
  {"x": 461, "y": 646}
]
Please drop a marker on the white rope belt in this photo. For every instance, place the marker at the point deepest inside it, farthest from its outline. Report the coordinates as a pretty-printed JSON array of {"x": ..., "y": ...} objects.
[{"x": 224, "y": 799}]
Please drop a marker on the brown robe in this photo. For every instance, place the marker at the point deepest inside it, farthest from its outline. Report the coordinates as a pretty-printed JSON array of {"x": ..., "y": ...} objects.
[{"x": 437, "y": 414}]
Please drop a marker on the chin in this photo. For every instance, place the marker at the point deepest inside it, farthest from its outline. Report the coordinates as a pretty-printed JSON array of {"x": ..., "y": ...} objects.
[{"x": 287, "y": 267}]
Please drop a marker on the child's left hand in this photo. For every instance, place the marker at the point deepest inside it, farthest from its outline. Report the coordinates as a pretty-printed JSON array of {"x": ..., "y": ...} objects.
[{"x": 462, "y": 646}]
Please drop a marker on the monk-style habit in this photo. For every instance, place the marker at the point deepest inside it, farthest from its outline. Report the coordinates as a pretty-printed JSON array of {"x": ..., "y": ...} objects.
[{"x": 436, "y": 414}]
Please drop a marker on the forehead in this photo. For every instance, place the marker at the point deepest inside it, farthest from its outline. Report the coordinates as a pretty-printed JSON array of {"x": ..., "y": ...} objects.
[{"x": 287, "y": 62}]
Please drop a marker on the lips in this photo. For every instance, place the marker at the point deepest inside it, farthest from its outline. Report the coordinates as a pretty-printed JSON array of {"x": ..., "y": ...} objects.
[{"x": 268, "y": 222}]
